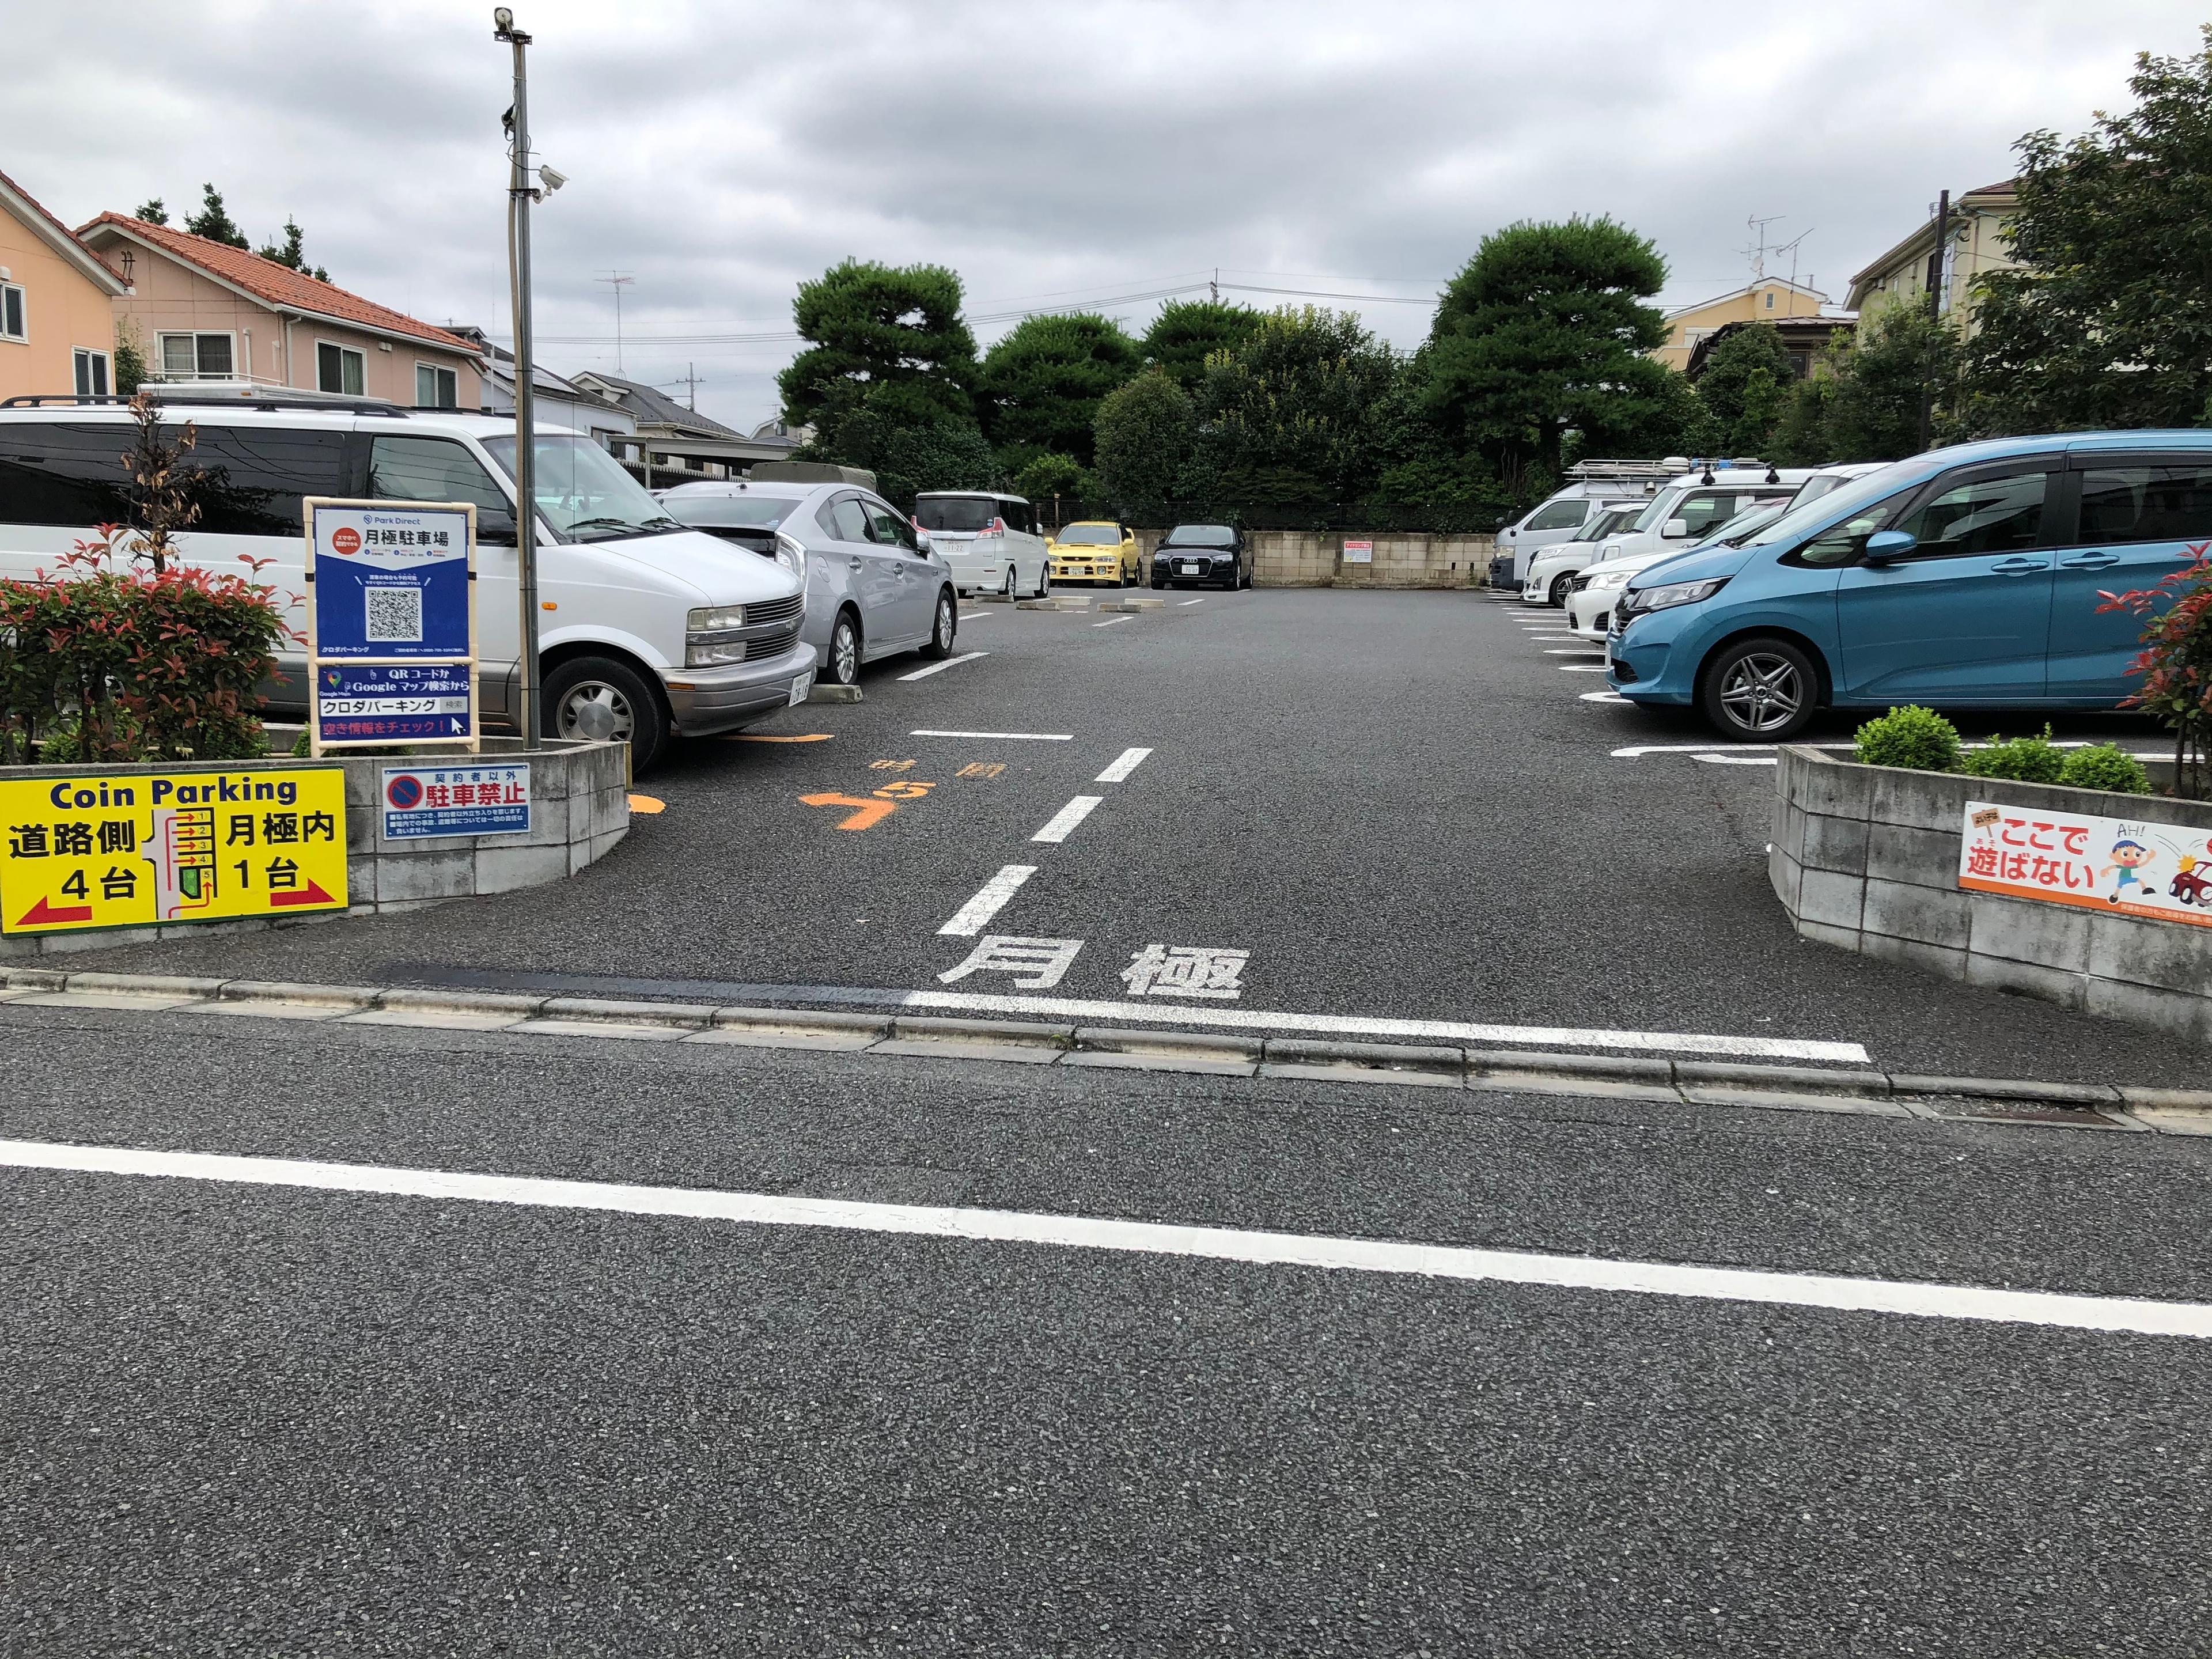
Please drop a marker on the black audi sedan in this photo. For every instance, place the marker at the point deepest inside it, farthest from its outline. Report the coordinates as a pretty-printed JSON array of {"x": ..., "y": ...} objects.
[{"x": 1203, "y": 553}]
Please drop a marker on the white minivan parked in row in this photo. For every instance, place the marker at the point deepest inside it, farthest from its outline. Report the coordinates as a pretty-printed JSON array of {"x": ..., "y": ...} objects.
[
  {"x": 991, "y": 541},
  {"x": 647, "y": 629}
]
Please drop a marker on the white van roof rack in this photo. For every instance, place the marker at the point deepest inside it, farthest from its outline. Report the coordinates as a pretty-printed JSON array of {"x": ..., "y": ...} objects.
[
  {"x": 255, "y": 400},
  {"x": 1586, "y": 470}
]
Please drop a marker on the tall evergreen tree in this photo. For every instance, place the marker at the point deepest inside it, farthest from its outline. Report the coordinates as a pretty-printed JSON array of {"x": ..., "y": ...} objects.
[
  {"x": 1042, "y": 384},
  {"x": 155, "y": 212},
  {"x": 1294, "y": 415},
  {"x": 213, "y": 223},
  {"x": 291, "y": 253},
  {"x": 888, "y": 339},
  {"x": 1189, "y": 332},
  {"x": 1142, "y": 442}
]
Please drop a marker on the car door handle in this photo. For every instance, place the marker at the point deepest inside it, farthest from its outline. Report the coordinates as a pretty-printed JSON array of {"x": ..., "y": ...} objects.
[
  {"x": 853, "y": 563},
  {"x": 2018, "y": 567},
  {"x": 2090, "y": 562}
]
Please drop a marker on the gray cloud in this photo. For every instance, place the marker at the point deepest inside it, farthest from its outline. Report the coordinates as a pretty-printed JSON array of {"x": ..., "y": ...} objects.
[{"x": 720, "y": 153}]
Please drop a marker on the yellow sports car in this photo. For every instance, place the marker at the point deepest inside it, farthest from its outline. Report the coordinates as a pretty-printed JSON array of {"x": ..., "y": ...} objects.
[{"x": 1095, "y": 551}]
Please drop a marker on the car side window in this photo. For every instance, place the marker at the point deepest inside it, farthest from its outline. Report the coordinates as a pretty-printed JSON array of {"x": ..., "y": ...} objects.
[
  {"x": 887, "y": 527},
  {"x": 1017, "y": 516},
  {"x": 1558, "y": 515},
  {"x": 440, "y": 470},
  {"x": 1997, "y": 514},
  {"x": 2146, "y": 503},
  {"x": 848, "y": 523}
]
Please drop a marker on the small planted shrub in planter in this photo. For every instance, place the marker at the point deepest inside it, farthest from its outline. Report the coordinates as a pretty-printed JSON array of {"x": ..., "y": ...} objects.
[
  {"x": 2028, "y": 760},
  {"x": 2106, "y": 766},
  {"x": 1910, "y": 737}
]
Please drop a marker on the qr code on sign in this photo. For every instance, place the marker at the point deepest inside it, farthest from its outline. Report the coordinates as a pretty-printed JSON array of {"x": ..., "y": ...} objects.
[{"x": 395, "y": 615}]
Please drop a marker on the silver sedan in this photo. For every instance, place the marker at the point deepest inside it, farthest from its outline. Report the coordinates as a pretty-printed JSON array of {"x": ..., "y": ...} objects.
[{"x": 874, "y": 587}]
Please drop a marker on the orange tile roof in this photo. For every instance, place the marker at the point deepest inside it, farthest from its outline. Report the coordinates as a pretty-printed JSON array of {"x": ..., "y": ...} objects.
[
  {"x": 59, "y": 227},
  {"x": 279, "y": 285}
]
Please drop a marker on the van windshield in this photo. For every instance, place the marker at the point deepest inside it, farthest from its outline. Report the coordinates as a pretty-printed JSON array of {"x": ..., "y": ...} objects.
[
  {"x": 962, "y": 515},
  {"x": 1661, "y": 505},
  {"x": 1839, "y": 503},
  {"x": 583, "y": 492}
]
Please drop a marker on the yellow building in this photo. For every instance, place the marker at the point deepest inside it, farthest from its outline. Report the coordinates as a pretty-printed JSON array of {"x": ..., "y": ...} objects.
[
  {"x": 57, "y": 304},
  {"x": 1767, "y": 300},
  {"x": 1980, "y": 242}
]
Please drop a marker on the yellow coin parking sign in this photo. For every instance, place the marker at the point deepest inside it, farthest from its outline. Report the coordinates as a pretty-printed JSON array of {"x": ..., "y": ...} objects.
[{"x": 134, "y": 849}]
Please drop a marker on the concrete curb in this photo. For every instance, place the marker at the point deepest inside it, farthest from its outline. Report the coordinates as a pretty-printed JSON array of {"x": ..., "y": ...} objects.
[
  {"x": 2016, "y": 1100},
  {"x": 823, "y": 691}
]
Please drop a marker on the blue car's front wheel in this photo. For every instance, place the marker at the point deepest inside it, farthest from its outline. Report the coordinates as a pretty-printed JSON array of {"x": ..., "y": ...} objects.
[{"x": 1761, "y": 690}]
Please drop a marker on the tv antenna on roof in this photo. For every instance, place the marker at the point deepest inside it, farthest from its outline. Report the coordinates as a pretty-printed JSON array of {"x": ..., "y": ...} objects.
[
  {"x": 618, "y": 281},
  {"x": 1757, "y": 252}
]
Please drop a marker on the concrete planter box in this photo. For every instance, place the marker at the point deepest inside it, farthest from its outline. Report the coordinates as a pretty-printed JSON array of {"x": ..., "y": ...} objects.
[
  {"x": 579, "y": 809},
  {"x": 1866, "y": 859}
]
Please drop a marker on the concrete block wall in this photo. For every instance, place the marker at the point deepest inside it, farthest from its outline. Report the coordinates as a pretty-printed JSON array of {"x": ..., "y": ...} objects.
[
  {"x": 580, "y": 810},
  {"x": 1313, "y": 558},
  {"x": 1866, "y": 859}
]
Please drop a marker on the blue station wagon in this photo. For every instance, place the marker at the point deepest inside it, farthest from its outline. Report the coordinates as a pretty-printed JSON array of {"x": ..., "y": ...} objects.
[{"x": 1964, "y": 578}]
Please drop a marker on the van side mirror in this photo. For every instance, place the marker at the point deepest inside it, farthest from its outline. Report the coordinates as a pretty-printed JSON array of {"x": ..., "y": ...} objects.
[
  {"x": 1675, "y": 529},
  {"x": 1885, "y": 546}
]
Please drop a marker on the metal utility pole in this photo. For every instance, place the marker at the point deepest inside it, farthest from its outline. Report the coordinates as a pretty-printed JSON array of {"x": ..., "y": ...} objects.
[
  {"x": 519, "y": 194},
  {"x": 1937, "y": 293},
  {"x": 619, "y": 282}
]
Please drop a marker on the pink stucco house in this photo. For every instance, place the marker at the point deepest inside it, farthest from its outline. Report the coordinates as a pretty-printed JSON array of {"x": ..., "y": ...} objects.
[{"x": 203, "y": 310}]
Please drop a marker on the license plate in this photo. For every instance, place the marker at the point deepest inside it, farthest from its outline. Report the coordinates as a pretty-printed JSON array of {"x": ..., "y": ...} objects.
[
  {"x": 1186, "y": 569},
  {"x": 799, "y": 688}
]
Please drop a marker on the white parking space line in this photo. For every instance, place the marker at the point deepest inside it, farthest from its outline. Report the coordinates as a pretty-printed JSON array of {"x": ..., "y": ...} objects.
[
  {"x": 1603, "y": 697},
  {"x": 1065, "y": 820},
  {"x": 1113, "y": 621},
  {"x": 1200, "y": 599},
  {"x": 939, "y": 667},
  {"x": 1130, "y": 761},
  {"x": 989, "y": 900},
  {"x": 1738, "y": 760},
  {"x": 1571, "y": 651},
  {"x": 1896, "y": 1297},
  {"x": 1580, "y": 667},
  {"x": 1010, "y": 737}
]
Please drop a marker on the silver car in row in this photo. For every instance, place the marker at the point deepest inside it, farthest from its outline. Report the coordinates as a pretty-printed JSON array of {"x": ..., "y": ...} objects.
[{"x": 873, "y": 586}]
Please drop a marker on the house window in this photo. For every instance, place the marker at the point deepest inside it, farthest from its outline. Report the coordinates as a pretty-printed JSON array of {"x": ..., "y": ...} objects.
[
  {"x": 196, "y": 357},
  {"x": 1769, "y": 300},
  {"x": 91, "y": 374},
  {"x": 340, "y": 369},
  {"x": 12, "y": 313},
  {"x": 435, "y": 387}
]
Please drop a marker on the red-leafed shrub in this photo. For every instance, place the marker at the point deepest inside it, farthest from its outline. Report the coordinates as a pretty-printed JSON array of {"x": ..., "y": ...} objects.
[
  {"x": 2176, "y": 664},
  {"x": 98, "y": 663}
]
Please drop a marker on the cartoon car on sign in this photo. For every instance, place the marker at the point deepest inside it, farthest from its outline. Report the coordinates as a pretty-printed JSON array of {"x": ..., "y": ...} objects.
[{"x": 2189, "y": 885}]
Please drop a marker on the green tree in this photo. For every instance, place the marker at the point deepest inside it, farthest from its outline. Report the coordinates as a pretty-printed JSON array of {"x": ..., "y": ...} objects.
[
  {"x": 1042, "y": 384},
  {"x": 1291, "y": 415},
  {"x": 291, "y": 253},
  {"x": 213, "y": 223},
  {"x": 1543, "y": 332},
  {"x": 129, "y": 357},
  {"x": 1057, "y": 477},
  {"x": 910, "y": 454},
  {"x": 1142, "y": 442},
  {"x": 889, "y": 339},
  {"x": 153, "y": 212},
  {"x": 2107, "y": 319},
  {"x": 1744, "y": 419},
  {"x": 1189, "y": 332},
  {"x": 1879, "y": 375}
]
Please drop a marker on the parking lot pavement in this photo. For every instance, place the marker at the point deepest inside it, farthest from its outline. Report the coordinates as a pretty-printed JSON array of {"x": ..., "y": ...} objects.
[
  {"x": 334, "y": 1407},
  {"x": 1351, "y": 807}
]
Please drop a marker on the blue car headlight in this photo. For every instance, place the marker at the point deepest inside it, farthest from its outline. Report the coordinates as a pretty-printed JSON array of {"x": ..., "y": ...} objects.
[{"x": 1637, "y": 600}]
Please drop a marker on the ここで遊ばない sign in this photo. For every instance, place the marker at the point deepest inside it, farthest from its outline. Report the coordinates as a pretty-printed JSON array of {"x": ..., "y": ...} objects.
[
  {"x": 391, "y": 623},
  {"x": 456, "y": 800},
  {"x": 136, "y": 849},
  {"x": 2132, "y": 868}
]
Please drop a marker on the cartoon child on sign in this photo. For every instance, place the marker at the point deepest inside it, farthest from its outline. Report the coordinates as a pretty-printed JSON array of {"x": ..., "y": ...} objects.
[{"x": 2128, "y": 857}]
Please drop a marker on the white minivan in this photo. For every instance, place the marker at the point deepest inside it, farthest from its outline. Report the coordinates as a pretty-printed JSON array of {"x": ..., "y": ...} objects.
[
  {"x": 646, "y": 629},
  {"x": 1589, "y": 486},
  {"x": 991, "y": 541}
]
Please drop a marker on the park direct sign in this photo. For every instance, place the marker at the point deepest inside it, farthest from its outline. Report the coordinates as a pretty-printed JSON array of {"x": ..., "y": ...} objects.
[
  {"x": 137, "y": 849},
  {"x": 392, "y": 623},
  {"x": 2127, "y": 866}
]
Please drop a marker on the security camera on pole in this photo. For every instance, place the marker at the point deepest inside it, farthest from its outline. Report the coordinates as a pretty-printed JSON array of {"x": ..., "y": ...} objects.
[{"x": 520, "y": 194}]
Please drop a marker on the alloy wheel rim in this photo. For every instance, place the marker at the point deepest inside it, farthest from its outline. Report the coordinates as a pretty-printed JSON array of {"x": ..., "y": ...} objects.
[
  {"x": 597, "y": 711},
  {"x": 944, "y": 622},
  {"x": 845, "y": 652},
  {"x": 1762, "y": 692}
]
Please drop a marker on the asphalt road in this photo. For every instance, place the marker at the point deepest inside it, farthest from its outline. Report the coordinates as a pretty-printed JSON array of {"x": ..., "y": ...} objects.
[
  {"x": 254, "y": 1421},
  {"x": 1397, "y": 805}
]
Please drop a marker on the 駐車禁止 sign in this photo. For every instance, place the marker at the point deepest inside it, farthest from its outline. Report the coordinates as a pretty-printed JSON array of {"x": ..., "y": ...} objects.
[{"x": 2134, "y": 868}]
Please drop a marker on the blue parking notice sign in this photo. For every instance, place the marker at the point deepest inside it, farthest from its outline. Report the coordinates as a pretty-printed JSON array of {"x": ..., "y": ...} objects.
[
  {"x": 419, "y": 801},
  {"x": 392, "y": 702}
]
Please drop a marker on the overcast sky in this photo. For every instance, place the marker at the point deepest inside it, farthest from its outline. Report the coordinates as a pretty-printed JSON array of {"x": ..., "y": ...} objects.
[{"x": 1050, "y": 153}]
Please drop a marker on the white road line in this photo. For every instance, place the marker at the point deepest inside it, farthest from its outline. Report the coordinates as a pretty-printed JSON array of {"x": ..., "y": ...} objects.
[
  {"x": 1112, "y": 620},
  {"x": 1200, "y": 599},
  {"x": 1427, "y": 1031},
  {"x": 1738, "y": 760},
  {"x": 1130, "y": 761},
  {"x": 939, "y": 667},
  {"x": 989, "y": 900},
  {"x": 1580, "y": 667},
  {"x": 1603, "y": 697},
  {"x": 1065, "y": 820},
  {"x": 1011, "y": 736},
  {"x": 1572, "y": 651},
  {"x": 1905, "y": 1298}
]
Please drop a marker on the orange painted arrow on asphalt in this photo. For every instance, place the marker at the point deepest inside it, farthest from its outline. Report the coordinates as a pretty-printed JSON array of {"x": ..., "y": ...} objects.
[
  {"x": 864, "y": 811},
  {"x": 44, "y": 914}
]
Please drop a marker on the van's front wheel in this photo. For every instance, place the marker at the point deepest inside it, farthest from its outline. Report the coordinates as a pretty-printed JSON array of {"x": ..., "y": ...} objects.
[
  {"x": 1764, "y": 690},
  {"x": 598, "y": 698}
]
